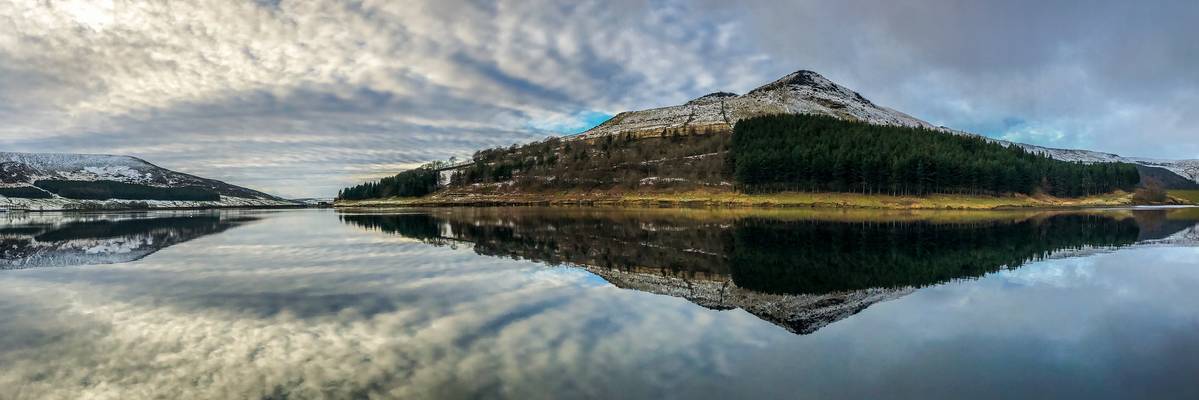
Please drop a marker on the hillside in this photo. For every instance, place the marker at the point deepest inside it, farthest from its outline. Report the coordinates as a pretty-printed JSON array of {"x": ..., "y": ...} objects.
[{"x": 52, "y": 181}]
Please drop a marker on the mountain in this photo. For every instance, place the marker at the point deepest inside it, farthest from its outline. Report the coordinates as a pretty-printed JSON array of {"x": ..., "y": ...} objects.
[
  {"x": 802, "y": 92},
  {"x": 807, "y": 92},
  {"x": 63, "y": 181}
]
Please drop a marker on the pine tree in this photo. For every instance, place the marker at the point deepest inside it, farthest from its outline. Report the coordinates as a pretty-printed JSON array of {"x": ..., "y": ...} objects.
[{"x": 819, "y": 153}]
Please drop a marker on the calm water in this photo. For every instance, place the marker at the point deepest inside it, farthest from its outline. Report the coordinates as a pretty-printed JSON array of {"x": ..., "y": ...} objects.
[{"x": 534, "y": 303}]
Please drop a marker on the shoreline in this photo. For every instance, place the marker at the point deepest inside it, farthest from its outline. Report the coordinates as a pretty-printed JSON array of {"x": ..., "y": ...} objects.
[
  {"x": 59, "y": 204},
  {"x": 765, "y": 201},
  {"x": 111, "y": 210}
]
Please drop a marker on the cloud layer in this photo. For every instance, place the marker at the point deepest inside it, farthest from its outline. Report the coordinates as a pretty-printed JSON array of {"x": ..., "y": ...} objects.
[{"x": 301, "y": 98}]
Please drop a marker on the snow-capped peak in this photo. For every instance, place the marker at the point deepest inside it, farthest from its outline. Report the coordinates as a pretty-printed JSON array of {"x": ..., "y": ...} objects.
[
  {"x": 802, "y": 91},
  {"x": 813, "y": 80}
]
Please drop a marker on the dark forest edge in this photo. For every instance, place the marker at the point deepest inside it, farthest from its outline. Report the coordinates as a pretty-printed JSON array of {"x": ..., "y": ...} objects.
[
  {"x": 765, "y": 158},
  {"x": 823, "y": 154},
  {"x": 107, "y": 190}
]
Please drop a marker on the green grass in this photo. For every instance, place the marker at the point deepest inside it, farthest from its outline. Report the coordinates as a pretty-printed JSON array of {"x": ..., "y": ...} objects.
[
  {"x": 1188, "y": 195},
  {"x": 852, "y": 200}
]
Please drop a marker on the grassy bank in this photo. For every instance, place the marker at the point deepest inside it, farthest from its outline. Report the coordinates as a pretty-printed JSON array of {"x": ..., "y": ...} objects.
[
  {"x": 708, "y": 198},
  {"x": 1191, "y": 196}
]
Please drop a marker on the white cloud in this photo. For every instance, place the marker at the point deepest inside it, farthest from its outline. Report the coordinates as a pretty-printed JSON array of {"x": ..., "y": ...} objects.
[{"x": 169, "y": 80}]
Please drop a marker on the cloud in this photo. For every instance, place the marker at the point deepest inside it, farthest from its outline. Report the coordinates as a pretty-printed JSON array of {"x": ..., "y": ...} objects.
[
  {"x": 304, "y": 97},
  {"x": 220, "y": 88}
]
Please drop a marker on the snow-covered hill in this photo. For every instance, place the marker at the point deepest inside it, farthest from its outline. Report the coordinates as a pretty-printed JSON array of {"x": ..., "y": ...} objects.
[
  {"x": 800, "y": 92},
  {"x": 1185, "y": 168},
  {"x": 22, "y": 170},
  {"x": 807, "y": 92}
]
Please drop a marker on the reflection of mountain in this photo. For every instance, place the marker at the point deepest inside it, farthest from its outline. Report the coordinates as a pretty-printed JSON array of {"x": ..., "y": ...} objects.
[
  {"x": 101, "y": 239},
  {"x": 798, "y": 313},
  {"x": 799, "y": 273}
]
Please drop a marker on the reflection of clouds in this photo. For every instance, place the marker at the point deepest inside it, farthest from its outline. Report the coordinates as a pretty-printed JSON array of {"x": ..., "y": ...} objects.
[
  {"x": 404, "y": 320},
  {"x": 568, "y": 276},
  {"x": 1061, "y": 273},
  {"x": 500, "y": 345}
]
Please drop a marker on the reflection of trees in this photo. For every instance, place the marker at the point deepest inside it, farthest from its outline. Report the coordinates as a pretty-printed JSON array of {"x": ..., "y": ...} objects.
[
  {"x": 621, "y": 242},
  {"x": 767, "y": 255},
  {"x": 822, "y": 257},
  {"x": 184, "y": 226},
  {"x": 415, "y": 226}
]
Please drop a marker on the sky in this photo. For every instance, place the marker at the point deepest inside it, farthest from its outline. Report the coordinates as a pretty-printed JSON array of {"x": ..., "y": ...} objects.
[{"x": 301, "y": 98}]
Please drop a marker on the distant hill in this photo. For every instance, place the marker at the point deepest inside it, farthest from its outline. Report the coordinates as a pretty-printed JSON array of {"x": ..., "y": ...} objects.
[
  {"x": 1167, "y": 178},
  {"x": 69, "y": 181}
]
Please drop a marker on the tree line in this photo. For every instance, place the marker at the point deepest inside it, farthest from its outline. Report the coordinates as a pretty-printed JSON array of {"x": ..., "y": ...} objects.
[
  {"x": 106, "y": 190},
  {"x": 412, "y": 183},
  {"x": 820, "y": 153}
]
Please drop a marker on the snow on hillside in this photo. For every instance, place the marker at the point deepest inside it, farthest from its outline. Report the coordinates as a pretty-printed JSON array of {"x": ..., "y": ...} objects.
[
  {"x": 1185, "y": 168},
  {"x": 807, "y": 92},
  {"x": 803, "y": 92},
  {"x": 23, "y": 169}
]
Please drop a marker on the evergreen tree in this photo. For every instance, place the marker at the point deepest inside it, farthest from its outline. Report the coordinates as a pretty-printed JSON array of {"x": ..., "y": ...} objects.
[
  {"x": 820, "y": 153},
  {"x": 413, "y": 183}
]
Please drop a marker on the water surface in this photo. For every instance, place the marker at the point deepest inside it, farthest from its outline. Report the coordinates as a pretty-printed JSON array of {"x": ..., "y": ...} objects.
[{"x": 553, "y": 303}]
